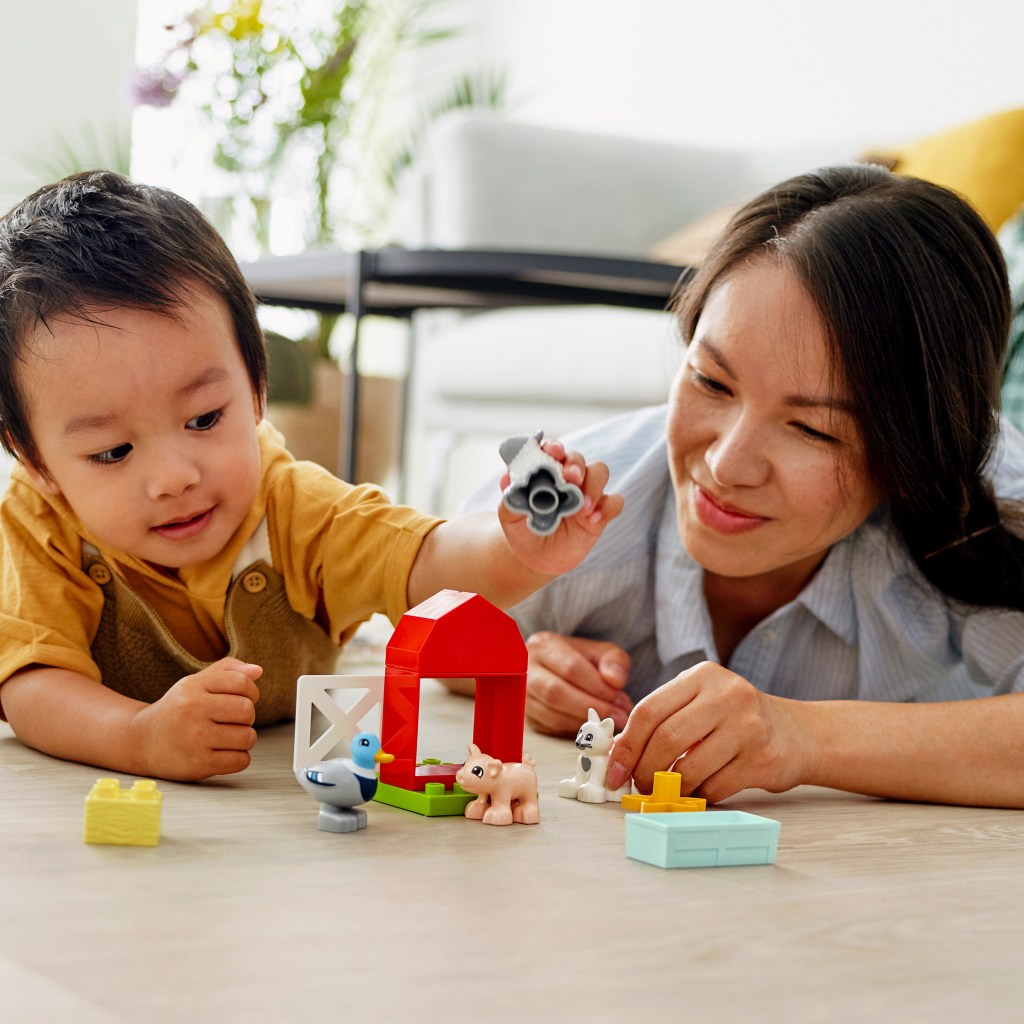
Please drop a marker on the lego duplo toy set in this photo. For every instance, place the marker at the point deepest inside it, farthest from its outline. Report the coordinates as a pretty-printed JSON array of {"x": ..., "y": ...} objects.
[
  {"x": 461, "y": 635},
  {"x": 455, "y": 635}
]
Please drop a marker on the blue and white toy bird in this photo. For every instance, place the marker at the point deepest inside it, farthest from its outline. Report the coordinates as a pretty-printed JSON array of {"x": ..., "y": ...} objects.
[{"x": 343, "y": 783}]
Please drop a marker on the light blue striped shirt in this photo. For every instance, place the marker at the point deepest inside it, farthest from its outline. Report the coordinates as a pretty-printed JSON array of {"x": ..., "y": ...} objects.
[{"x": 868, "y": 625}]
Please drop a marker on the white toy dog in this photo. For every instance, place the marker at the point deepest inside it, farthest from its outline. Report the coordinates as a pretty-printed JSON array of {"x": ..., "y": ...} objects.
[{"x": 594, "y": 741}]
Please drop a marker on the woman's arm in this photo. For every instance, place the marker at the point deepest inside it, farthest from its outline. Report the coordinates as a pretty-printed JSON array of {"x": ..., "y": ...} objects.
[
  {"x": 956, "y": 752},
  {"x": 735, "y": 737}
]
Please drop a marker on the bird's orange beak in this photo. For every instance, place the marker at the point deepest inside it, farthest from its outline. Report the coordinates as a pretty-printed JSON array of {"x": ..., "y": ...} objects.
[{"x": 382, "y": 758}]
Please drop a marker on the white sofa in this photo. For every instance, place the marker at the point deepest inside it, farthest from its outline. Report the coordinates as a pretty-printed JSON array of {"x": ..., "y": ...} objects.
[{"x": 485, "y": 182}]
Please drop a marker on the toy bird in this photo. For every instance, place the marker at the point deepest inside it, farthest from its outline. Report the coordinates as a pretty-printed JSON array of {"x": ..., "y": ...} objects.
[{"x": 343, "y": 783}]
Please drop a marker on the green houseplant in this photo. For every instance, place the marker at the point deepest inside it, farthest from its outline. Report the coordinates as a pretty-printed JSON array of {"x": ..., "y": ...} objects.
[{"x": 299, "y": 101}]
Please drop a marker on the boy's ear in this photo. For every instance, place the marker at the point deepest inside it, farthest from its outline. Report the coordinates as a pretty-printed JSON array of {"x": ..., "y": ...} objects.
[{"x": 41, "y": 479}]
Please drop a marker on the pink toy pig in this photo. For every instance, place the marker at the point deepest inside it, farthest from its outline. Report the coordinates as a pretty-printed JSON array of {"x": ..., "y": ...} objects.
[{"x": 504, "y": 792}]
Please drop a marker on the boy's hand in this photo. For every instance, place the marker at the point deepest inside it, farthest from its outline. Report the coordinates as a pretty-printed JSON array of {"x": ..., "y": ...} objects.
[
  {"x": 202, "y": 725},
  {"x": 568, "y": 675},
  {"x": 570, "y": 543}
]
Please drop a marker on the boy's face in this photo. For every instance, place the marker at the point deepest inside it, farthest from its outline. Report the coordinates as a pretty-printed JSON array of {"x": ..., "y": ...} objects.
[{"x": 147, "y": 426}]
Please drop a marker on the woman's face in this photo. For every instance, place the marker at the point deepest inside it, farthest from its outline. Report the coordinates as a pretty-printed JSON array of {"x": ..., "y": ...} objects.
[{"x": 766, "y": 458}]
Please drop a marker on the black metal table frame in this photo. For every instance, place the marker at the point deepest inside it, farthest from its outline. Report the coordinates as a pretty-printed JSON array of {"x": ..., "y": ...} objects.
[{"x": 396, "y": 282}]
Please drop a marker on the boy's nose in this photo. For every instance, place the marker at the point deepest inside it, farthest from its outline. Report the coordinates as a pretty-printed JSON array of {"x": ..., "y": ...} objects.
[
  {"x": 172, "y": 475},
  {"x": 736, "y": 456}
]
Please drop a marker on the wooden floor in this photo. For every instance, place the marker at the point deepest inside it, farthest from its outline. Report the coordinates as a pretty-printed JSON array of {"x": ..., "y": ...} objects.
[{"x": 874, "y": 911}]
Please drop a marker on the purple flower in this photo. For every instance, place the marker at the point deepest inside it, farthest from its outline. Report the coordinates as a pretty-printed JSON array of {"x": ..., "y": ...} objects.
[{"x": 155, "y": 86}]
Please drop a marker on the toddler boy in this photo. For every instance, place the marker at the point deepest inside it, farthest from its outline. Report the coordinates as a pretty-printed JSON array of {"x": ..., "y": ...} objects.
[{"x": 160, "y": 549}]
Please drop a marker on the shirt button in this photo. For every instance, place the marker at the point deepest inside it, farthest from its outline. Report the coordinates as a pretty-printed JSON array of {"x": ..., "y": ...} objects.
[
  {"x": 768, "y": 635},
  {"x": 99, "y": 573},
  {"x": 254, "y": 582}
]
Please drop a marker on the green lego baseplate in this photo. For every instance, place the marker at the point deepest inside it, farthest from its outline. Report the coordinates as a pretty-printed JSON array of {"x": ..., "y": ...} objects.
[{"x": 434, "y": 802}]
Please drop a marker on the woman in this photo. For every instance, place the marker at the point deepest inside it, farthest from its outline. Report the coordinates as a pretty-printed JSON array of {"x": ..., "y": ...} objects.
[{"x": 812, "y": 571}]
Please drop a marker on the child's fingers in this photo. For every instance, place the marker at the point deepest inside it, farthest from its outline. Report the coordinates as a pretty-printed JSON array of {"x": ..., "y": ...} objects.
[
  {"x": 231, "y": 709},
  {"x": 233, "y": 737},
  {"x": 236, "y": 665},
  {"x": 595, "y": 517},
  {"x": 574, "y": 466},
  {"x": 608, "y": 508},
  {"x": 554, "y": 448},
  {"x": 231, "y": 676},
  {"x": 226, "y": 762},
  {"x": 595, "y": 481}
]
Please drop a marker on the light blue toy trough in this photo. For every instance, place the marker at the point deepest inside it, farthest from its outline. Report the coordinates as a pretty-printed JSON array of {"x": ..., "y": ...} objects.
[{"x": 701, "y": 840}]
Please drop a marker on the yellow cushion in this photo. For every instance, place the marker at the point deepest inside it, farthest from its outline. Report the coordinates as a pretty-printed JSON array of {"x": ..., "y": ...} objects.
[{"x": 983, "y": 161}]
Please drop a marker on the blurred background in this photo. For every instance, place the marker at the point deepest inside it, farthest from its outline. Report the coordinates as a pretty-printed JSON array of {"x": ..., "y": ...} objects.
[{"x": 305, "y": 124}]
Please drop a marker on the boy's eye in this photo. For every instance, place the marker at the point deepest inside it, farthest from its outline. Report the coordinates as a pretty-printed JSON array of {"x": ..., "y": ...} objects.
[
  {"x": 111, "y": 455},
  {"x": 205, "y": 421}
]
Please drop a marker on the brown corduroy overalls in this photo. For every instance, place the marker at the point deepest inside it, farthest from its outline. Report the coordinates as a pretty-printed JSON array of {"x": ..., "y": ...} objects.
[{"x": 138, "y": 656}]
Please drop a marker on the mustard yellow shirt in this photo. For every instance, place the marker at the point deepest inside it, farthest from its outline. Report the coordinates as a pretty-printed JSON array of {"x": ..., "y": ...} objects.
[{"x": 345, "y": 552}]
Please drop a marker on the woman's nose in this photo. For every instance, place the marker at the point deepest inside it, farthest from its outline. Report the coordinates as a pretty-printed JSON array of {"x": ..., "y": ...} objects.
[{"x": 736, "y": 456}]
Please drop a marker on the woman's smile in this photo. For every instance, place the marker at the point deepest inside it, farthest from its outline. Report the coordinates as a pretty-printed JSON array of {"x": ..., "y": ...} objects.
[{"x": 720, "y": 516}]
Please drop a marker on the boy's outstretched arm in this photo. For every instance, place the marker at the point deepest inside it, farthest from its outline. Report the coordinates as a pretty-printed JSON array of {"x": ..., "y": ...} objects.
[
  {"x": 498, "y": 557},
  {"x": 201, "y": 727}
]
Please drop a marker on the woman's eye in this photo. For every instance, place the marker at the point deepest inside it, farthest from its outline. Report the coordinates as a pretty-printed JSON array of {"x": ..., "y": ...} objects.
[
  {"x": 814, "y": 435},
  {"x": 204, "y": 422},
  {"x": 111, "y": 455},
  {"x": 709, "y": 383}
]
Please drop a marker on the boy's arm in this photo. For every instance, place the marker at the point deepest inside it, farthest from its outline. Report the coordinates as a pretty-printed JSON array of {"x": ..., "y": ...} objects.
[
  {"x": 471, "y": 553},
  {"x": 498, "y": 557},
  {"x": 201, "y": 727}
]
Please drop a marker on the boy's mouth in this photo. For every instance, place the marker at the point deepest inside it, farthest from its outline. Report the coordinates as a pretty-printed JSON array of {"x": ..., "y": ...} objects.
[{"x": 186, "y": 528}]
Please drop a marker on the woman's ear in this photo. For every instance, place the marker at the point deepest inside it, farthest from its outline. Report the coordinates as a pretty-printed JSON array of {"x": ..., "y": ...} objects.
[{"x": 259, "y": 405}]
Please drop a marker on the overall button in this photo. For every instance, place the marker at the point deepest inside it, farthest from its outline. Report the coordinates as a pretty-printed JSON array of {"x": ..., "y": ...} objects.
[
  {"x": 254, "y": 582},
  {"x": 99, "y": 573}
]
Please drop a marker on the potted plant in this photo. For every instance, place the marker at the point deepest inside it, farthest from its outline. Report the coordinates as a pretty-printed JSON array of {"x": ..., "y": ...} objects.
[{"x": 297, "y": 100}]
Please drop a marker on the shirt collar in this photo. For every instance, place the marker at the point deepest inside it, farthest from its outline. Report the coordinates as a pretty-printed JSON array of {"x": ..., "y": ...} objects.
[
  {"x": 829, "y": 596},
  {"x": 681, "y": 615}
]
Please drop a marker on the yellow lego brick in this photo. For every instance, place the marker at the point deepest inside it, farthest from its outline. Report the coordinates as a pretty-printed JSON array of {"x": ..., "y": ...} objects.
[
  {"x": 665, "y": 798},
  {"x": 128, "y": 816}
]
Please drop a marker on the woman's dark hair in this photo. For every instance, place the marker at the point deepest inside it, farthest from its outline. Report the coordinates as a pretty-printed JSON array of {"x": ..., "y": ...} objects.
[
  {"x": 911, "y": 287},
  {"x": 97, "y": 240}
]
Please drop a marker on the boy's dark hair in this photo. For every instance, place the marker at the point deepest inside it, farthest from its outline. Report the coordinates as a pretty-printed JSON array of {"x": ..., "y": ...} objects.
[
  {"x": 911, "y": 287},
  {"x": 98, "y": 239}
]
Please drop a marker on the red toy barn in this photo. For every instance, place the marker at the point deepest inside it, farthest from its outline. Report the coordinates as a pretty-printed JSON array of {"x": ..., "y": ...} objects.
[{"x": 451, "y": 635}]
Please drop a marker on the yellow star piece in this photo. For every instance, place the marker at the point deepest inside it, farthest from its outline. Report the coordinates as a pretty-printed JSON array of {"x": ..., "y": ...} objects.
[{"x": 664, "y": 798}]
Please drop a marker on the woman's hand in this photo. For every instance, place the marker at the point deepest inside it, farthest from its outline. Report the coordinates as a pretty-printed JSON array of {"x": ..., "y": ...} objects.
[
  {"x": 718, "y": 731},
  {"x": 567, "y": 675}
]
